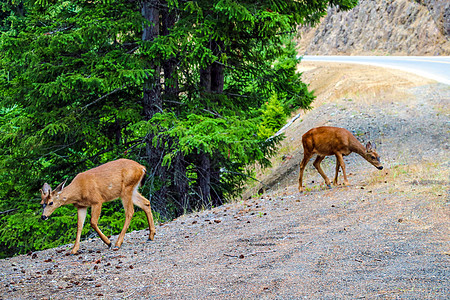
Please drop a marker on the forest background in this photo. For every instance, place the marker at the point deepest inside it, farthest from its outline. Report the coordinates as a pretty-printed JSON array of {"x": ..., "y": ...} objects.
[{"x": 193, "y": 90}]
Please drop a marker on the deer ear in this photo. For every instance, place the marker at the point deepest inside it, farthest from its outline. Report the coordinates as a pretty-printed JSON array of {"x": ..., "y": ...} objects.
[
  {"x": 60, "y": 187},
  {"x": 369, "y": 146},
  {"x": 45, "y": 189}
]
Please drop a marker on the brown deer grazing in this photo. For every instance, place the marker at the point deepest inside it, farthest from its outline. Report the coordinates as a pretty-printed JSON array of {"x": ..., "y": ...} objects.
[
  {"x": 116, "y": 179},
  {"x": 325, "y": 141}
]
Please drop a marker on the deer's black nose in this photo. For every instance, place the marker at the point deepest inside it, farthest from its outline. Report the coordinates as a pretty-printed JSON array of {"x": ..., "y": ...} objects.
[
  {"x": 380, "y": 168},
  {"x": 44, "y": 217}
]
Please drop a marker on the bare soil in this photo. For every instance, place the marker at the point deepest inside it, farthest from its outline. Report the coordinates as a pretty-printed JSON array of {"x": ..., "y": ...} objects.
[{"x": 386, "y": 236}]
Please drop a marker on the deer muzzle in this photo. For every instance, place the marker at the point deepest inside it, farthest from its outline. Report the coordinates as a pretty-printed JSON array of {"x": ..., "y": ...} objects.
[
  {"x": 44, "y": 217},
  {"x": 380, "y": 168}
]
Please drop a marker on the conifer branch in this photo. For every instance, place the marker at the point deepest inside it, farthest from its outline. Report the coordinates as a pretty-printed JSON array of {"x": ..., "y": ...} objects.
[
  {"x": 7, "y": 211},
  {"x": 104, "y": 96}
]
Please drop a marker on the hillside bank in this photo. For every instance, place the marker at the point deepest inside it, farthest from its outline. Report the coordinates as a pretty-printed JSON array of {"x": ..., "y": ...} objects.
[
  {"x": 379, "y": 27},
  {"x": 384, "y": 236}
]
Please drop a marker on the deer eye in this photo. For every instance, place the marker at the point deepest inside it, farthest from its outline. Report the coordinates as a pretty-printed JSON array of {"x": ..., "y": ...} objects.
[
  {"x": 51, "y": 203},
  {"x": 373, "y": 157}
]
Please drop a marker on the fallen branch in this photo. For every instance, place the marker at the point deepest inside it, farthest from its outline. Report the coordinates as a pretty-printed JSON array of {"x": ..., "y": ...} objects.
[
  {"x": 288, "y": 124},
  {"x": 7, "y": 211},
  {"x": 249, "y": 254},
  {"x": 230, "y": 255}
]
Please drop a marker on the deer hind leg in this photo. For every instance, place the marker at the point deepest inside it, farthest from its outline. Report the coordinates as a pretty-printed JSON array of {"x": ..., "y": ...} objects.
[
  {"x": 316, "y": 164},
  {"x": 144, "y": 204},
  {"x": 306, "y": 157},
  {"x": 81, "y": 216},
  {"x": 127, "y": 202},
  {"x": 340, "y": 162},
  {"x": 95, "y": 215}
]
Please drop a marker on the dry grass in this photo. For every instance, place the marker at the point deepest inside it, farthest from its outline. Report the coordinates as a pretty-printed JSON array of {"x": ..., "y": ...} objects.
[
  {"x": 334, "y": 81},
  {"x": 429, "y": 180}
]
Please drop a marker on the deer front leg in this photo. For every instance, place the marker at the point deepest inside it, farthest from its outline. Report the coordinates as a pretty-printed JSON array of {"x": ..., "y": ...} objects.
[
  {"x": 127, "y": 202},
  {"x": 319, "y": 169},
  {"x": 95, "y": 215},
  {"x": 306, "y": 157},
  {"x": 81, "y": 216},
  {"x": 340, "y": 161}
]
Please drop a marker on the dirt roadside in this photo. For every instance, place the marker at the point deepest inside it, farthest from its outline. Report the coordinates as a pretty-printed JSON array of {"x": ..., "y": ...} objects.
[{"x": 385, "y": 236}]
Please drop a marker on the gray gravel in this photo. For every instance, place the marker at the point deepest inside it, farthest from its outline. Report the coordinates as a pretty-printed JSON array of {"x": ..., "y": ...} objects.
[{"x": 383, "y": 237}]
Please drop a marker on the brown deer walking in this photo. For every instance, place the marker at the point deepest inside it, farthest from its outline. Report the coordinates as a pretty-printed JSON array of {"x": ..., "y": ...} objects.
[
  {"x": 116, "y": 179},
  {"x": 326, "y": 141}
]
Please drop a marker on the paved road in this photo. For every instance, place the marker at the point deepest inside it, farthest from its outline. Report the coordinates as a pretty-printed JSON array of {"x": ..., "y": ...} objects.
[{"x": 433, "y": 67}]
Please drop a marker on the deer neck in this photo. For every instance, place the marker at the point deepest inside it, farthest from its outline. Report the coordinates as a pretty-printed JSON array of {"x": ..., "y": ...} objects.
[
  {"x": 67, "y": 195},
  {"x": 357, "y": 147}
]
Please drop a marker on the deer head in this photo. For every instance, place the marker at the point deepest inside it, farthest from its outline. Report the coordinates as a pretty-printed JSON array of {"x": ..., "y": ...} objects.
[
  {"x": 51, "y": 199},
  {"x": 372, "y": 156}
]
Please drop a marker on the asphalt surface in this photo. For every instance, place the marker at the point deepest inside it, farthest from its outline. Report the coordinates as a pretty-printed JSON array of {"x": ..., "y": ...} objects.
[{"x": 433, "y": 67}]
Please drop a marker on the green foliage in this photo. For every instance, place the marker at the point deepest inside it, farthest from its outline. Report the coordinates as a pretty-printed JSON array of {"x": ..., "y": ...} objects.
[
  {"x": 72, "y": 78},
  {"x": 273, "y": 118}
]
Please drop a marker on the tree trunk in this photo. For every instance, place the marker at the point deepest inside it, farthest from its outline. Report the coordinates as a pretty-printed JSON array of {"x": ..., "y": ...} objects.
[
  {"x": 179, "y": 187},
  {"x": 217, "y": 78},
  {"x": 204, "y": 161},
  {"x": 204, "y": 179},
  {"x": 171, "y": 91},
  {"x": 181, "y": 184},
  {"x": 212, "y": 82},
  {"x": 217, "y": 82},
  {"x": 216, "y": 191},
  {"x": 152, "y": 103}
]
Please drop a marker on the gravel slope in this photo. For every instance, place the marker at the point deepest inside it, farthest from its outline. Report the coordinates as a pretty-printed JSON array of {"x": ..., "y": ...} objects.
[{"x": 384, "y": 236}]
